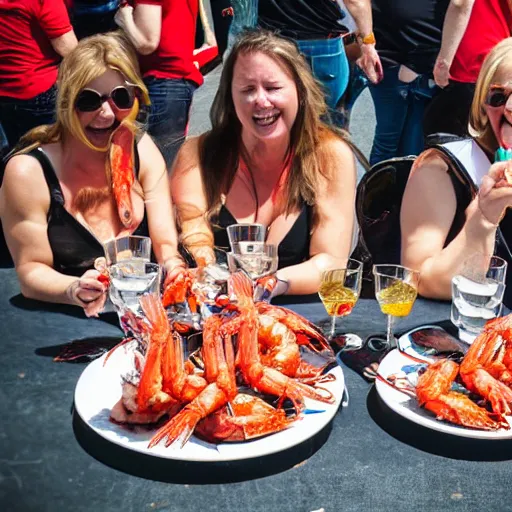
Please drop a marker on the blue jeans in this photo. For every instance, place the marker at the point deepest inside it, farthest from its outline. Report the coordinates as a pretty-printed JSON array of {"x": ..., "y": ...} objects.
[
  {"x": 399, "y": 109},
  {"x": 245, "y": 15},
  {"x": 329, "y": 64},
  {"x": 19, "y": 116},
  {"x": 171, "y": 99}
]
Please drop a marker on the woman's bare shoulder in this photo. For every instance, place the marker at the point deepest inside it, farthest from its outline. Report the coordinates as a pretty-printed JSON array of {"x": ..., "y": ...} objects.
[{"x": 24, "y": 185}]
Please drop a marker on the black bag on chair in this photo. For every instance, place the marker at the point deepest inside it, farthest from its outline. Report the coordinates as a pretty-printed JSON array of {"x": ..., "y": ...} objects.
[{"x": 378, "y": 202}]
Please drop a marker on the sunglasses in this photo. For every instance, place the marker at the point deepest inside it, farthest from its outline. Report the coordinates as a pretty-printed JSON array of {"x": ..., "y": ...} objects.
[
  {"x": 90, "y": 100},
  {"x": 498, "y": 95}
]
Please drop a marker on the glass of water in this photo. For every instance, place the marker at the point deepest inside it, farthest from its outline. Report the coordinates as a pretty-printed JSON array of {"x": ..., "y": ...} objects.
[
  {"x": 246, "y": 234},
  {"x": 477, "y": 294},
  {"x": 258, "y": 259},
  {"x": 128, "y": 248},
  {"x": 129, "y": 281}
]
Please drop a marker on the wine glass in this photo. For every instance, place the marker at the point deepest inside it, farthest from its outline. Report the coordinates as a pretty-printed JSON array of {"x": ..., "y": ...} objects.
[
  {"x": 340, "y": 289},
  {"x": 396, "y": 289}
]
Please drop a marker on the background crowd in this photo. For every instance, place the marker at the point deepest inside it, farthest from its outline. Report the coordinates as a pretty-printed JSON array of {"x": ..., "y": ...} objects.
[{"x": 279, "y": 139}]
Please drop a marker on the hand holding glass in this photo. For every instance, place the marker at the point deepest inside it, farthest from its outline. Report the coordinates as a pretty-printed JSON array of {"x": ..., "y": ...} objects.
[
  {"x": 396, "y": 289},
  {"x": 340, "y": 289}
]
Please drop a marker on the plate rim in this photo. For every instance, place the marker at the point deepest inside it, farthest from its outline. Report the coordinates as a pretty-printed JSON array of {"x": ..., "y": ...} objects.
[
  {"x": 177, "y": 454},
  {"x": 427, "y": 419}
]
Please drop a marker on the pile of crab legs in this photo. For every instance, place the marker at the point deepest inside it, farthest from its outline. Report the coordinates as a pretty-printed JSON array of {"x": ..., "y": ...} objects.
[
  {"x": 485, "y": 371},
  {"x": 248, "y": 345}
]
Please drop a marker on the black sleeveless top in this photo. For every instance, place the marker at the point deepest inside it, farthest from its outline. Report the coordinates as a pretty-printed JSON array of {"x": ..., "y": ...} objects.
[
  {"x": 503, "y": 244},
  {"x": 293, "y": 249},
  {"x": 74, "y": 247}
]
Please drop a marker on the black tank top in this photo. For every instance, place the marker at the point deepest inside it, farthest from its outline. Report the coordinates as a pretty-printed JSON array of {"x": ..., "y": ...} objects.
[
  {"x": 74, "y": 247},
  {"x": 293, "y": 249},
  {"x": 503, "y": 243}
]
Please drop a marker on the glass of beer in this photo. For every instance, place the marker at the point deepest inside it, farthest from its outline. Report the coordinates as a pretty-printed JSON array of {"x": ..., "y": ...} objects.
[
  {"x": 396, "y": 289},
  {"x": 340, "y": 289}
]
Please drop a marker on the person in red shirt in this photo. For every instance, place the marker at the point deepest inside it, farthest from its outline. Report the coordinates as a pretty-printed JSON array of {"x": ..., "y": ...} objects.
[
  {"x": 471, "y": 29},
  {"x": 163, "y": 32},
  {"x": 34, "y": 35}
]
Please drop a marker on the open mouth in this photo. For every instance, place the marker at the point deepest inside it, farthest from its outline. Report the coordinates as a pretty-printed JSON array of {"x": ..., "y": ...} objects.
[
  {"x": 506, "y": 133},
  {"x": 103, "y": 131},
  {"x": 266, "y": 119}
]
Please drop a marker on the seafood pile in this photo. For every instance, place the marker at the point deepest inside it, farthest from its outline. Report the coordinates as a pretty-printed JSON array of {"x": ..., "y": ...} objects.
[
  {"x": 475, "y": 392},
  {"x": 256, "y": 365}
]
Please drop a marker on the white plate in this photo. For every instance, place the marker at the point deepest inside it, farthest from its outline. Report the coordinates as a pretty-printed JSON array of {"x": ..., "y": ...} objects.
[
  {"x": 408, "y": 407},
  {"x": 99, "y": 388}
]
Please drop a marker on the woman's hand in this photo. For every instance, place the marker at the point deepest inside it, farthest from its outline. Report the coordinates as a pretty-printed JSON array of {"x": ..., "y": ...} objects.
[
  {"x": 173, "y": 268},
  {"x": 89, "y": 293},
  {"x": 495, "y": 194},
  {"x": 123, "y": 15}
]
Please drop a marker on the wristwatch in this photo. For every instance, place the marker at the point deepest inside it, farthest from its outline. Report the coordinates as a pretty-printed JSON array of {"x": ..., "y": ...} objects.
[{"x": 368, "y": 39}]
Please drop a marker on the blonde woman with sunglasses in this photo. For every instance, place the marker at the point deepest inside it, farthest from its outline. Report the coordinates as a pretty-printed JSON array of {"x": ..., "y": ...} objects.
[
  {"x": 444, "y": 220},
  {"x": 57, "y": 200}
]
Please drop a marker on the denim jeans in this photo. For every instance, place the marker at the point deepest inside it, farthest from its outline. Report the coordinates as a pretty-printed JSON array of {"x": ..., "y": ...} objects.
[
  {"x": 171, "y": 99},
  {"x": 399, "y": 109},
  {"x": 329, "y": 64},
  {"x": 19, "y": 116},
  {"x": 245, "y": 15}
]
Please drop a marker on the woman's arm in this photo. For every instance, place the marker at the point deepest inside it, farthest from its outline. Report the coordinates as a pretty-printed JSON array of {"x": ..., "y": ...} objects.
[
  {"x": 331, "y": 239},
  {"x": 189, "y": 198},
  {"x": 455, "y": 23},
  {"x": 24, "y": 204},
  {"x": 143, "y": 25},
  {"x": 157, "y": 200},
  {"x": 428, "y": 209}
]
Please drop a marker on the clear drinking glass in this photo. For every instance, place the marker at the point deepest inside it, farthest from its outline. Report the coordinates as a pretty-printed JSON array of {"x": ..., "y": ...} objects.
[
  {"x": 396, "y": 289},
  {"x": 132, "y": 248},
  {"x": 246, "y": 234},
  {"x": 260, "y": 260},
  {"x": 477, "y": 294},
  {"x": 129, "y": 282},
  {"x": 340, "y": 289}
]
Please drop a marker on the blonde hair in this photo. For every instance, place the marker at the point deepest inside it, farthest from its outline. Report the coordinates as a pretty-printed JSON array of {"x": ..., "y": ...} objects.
[
  {"x": 220, "y": 148},
  {"x": 479, "y": 126},
  {"x": 92, "y": 57}
]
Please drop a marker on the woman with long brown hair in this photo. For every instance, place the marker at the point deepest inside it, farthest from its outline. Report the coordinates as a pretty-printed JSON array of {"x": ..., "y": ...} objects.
[
  {"x": 269, "y": 159},
  {"x": 63, "y": 194}
]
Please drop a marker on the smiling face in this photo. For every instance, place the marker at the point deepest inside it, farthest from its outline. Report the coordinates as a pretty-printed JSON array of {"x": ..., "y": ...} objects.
[
  {"x": 99, "y": 124},
  {"x": 500, "y": 117},
  {"x": 265, "y": 97}
]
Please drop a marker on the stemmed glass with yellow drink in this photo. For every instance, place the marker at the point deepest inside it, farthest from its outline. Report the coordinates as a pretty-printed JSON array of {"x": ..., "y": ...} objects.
[
  {"x": 396, "y": 289},
  {"x": 340, "y": 289}
]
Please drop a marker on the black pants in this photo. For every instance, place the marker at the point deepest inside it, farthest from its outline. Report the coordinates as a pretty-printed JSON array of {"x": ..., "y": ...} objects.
[{"x": 448, "y": 112}]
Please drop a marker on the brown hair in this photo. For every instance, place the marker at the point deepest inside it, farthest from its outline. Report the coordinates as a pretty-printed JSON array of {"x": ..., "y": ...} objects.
[
  {"x": 479, "y": 126},
  {"x": 220, "y": 148},
  {"x": 92, "y": 57}
]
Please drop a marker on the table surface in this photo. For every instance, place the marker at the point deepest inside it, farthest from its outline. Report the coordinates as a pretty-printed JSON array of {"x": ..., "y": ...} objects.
[{"x": 369, "y": 458}]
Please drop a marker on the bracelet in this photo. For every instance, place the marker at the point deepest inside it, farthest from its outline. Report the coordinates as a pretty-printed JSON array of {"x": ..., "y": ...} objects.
[{"x": 368, "y": 39}]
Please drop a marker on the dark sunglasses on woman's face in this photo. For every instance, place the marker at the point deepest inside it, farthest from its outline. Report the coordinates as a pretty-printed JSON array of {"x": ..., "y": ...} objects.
[
  {"x": 90, "y": 100},
  {"x": 498, "y": 95}
]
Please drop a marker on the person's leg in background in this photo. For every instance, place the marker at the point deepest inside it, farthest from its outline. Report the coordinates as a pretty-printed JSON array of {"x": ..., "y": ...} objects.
[
  {"x": 421, "y": 92},
  {"x": 245, "y": 15},
  {"x": 169, "y": 114},
  {"x": 222, "y": 14},
  {"x": 19, "y": 116},
  {"x": 357, "y": 83},
  {"x": 391, "y": 101},
  {"x": 329, "y": 64},
  {"x": 448, "y": 112}
]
